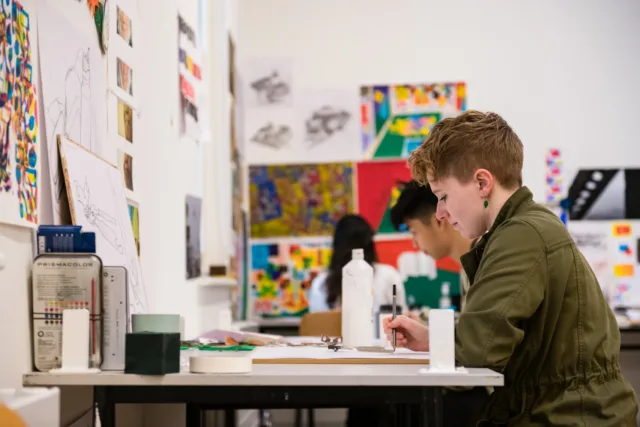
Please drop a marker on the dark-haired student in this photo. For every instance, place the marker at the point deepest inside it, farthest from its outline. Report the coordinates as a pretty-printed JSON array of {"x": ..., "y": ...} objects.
[
  {"x": 415, "y": 210},
  {"x": 354, "y": 232}
]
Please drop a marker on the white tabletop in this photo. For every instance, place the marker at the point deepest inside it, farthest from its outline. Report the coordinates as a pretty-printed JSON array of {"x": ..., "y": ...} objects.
[{"x": 282, "y": 375}]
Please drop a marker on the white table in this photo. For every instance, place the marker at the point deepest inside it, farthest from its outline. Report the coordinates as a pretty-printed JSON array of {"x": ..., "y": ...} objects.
[{"x": 276, "y": 386}]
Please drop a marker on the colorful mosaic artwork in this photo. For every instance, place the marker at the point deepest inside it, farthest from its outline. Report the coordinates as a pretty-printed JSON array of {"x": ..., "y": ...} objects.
[
  {"x": 395, "y": 119},
  {"x": 281, "y": 275},
  {"x": 299, "y": 200},
  {"x": 18, "y": 111}
]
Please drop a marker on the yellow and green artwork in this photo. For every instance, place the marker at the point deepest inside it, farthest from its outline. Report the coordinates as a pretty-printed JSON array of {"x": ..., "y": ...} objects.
[{"x": 395, "y": 119}]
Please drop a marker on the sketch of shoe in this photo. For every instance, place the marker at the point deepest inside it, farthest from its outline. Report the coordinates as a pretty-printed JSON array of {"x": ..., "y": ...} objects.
[
  {"x": 271, "y": 89},
  {"x": 272, "y": 136},
  {"x": 325, "y": 122}
]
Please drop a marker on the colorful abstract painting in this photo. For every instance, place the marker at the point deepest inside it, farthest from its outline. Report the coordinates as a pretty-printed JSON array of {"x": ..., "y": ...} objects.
[
  {"x": 299, "y": 200},
  {"x": 18, "y": 118},
  {"x": 379, "y": 189},
  {"x": 281, "y": 275},
  {"x": 395, "y": 119},
  {"x": 424, "y": 276}
]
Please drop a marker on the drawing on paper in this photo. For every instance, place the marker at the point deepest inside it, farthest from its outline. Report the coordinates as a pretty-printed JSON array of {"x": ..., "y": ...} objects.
[
  {"x": 18, "y": 113},
  {"x": 271, "y": 89},
  {"x": 299, "y": 200},
  {"x": 123, "y": 26},
  {"x": 71, "y": 115},
  {"x": 193, "y": 249},
  {"x": 324, "y": 123},
  {"x": 281, "y": 275},
  {"x": 125, "y": 164},
  {"x": 124, "y": 76},
  {"x": 99, "y": 204},
  {"x": 105, "y": 223},
  {"x": 134, "y": 214},
  {"x": 125, "y": 121},
  {"x": 273, "y": 136},
  {"x": 395, "y": 119},
  {"x": 73, "y": 92}
]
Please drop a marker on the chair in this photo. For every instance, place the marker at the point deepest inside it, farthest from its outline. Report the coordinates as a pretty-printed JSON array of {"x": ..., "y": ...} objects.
[
  {"x": 321, "y": 323},
  {"x": 314, "y": 325}
]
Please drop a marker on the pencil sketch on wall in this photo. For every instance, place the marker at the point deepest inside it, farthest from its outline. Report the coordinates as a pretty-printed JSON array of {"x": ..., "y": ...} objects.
[
  {"x": 271, "y": 89},
  {"x": 273, "y": 136},
  {"x": 102, "y": 221},
  {"x": 324, "y": 123},
  {"x": 70, "y": 115},
  {"x": 268, "y": 82},
  {"x": 73, "y": 97}
]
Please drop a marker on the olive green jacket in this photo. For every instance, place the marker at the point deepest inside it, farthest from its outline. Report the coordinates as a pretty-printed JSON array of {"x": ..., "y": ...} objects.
[{"x": 535, "y": 312}]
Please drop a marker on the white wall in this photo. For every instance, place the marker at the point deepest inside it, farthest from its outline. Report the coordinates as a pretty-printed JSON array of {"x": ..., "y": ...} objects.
[
  {"x": 167, "y": 168},
  {"x": 563, "y": 74}
]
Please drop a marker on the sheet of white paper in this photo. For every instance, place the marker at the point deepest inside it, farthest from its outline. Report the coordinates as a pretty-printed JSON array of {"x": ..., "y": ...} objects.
[
  {"x": 98, "y": 199},
  {"x": 324, "y": 353},
  {"x": 330, "y": 123},
  {"x": 592, "y": 239},
  {"x": 268, "y": 82},
  {"x": 73, "y": 93},
  {"x": 271, "y": 137}
]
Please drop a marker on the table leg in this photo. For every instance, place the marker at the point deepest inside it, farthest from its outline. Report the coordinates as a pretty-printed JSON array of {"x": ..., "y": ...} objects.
[
  {"x": 106, "y": 406},
  {"x": 230, "y": 418},
  {"x": 437, "y": 407},
  {"x": 193, "y": 416}
]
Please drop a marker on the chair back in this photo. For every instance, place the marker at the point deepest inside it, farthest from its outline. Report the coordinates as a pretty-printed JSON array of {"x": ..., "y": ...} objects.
[{"x": 321, "y": 323}]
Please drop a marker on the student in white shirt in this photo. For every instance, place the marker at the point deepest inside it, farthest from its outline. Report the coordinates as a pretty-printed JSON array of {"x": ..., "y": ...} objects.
[{"x": 353, "y": 232}]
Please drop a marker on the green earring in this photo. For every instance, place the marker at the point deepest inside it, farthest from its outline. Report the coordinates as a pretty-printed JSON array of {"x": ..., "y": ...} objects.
[{"x": 486, "y": 203}]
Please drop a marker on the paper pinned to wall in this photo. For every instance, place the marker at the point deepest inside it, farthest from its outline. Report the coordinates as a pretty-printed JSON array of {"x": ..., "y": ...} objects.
[
  {"x": 74, "y": 97},
  {"x": 190, "y": 80},
  {"x": 299, "y": 200},
  {"x": 19, "y": 150},
  {"x": 282, "y": 272},
  {"x": 98, "y": 203},
  {"x": 268, "y": 82},
  {"x": 395, "y": 119},
  {"x": 271, "y": 136},
  {"x": 330, "y": 125}
]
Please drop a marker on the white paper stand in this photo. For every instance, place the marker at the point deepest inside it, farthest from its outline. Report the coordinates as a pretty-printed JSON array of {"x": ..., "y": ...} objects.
[
  {"x": 442, "y": 357},
  {"x": 75, "y": 343}
]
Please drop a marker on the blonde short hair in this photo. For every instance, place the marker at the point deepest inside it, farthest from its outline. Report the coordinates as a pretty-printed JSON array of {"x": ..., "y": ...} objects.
[{"x": 458, "y": 146}]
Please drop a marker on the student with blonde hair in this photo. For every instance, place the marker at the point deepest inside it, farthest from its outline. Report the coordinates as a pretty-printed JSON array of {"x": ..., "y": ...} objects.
[{"x": 534, "y": 311}]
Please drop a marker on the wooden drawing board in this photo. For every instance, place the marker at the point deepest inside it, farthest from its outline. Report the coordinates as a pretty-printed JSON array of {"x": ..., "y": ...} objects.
[{"x": 324, "y": 356}]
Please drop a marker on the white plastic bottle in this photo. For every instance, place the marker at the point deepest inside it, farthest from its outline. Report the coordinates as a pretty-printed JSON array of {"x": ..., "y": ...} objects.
[
  {"x": 445, "y": 299},
  {"x": 357, "y": 302}
]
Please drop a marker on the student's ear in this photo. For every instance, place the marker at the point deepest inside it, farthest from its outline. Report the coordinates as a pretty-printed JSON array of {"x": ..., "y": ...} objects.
[{"x": 485, "y": 182}]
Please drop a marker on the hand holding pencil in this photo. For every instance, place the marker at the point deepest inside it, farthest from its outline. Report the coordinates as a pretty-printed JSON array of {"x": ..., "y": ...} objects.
[{"x": 408, "y": 333}]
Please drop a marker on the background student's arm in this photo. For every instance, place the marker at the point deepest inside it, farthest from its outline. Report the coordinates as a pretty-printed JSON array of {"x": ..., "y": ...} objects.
[
  {"x": 318, "y": 294},
  {"x": 508, "y": 288}
]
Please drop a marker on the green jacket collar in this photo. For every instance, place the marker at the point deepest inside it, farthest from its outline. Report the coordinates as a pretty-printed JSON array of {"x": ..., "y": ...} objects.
[{"x": 471, "y": 260}]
